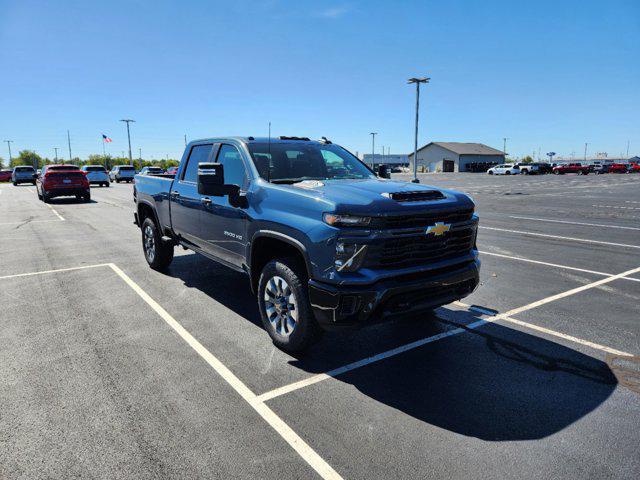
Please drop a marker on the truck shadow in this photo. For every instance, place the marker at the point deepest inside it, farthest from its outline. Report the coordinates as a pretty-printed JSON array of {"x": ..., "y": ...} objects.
[{"x": 494, "y": 383}]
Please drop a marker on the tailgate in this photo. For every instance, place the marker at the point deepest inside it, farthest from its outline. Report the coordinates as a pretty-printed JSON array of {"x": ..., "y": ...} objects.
[{"x": 65, "y": 179}]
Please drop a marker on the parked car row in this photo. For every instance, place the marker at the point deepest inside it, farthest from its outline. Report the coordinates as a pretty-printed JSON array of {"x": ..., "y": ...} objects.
[{"x": 562, "y": 168}]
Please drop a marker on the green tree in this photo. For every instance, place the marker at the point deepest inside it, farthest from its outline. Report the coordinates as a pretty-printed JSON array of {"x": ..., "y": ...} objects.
[
  {"x": 1, "y": 163},
  {"x": 28, "y": 157},
  {"x": 527, "y": 159}
]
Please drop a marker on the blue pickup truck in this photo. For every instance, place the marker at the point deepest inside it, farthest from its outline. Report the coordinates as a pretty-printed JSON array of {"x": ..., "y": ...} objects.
[{"x": 324, "y": 241}]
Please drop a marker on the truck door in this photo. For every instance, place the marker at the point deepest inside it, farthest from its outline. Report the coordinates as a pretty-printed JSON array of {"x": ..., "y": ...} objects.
[
  {"x": 224, "y": 226},
  {"x": 186, "y": 204}
]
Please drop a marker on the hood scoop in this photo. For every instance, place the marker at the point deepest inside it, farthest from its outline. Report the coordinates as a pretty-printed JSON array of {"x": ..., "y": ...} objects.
[
  {"x": 415, "y": 196},
  {"x": 309, "y": 184}
]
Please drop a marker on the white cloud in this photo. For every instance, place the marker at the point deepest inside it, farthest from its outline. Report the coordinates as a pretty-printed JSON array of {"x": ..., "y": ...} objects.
[{"x": 334, "y": 12}]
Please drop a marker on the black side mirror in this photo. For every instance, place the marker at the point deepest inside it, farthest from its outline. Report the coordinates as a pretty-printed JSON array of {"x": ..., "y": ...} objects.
[
  {"x": 211, "y": 179},
  {"x": 384, "y": 171}
]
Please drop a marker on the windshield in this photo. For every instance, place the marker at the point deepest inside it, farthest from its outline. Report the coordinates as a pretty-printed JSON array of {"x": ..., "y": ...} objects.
[
  {"x": 24, "y": 169},
  {"x": 293, "y": 162}
]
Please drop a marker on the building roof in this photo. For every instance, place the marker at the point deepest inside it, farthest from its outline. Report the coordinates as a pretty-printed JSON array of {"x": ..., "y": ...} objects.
[{"x": 461, "y": 148}]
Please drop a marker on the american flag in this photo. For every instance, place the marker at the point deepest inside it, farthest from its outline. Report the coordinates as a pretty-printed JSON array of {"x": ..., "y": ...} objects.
[{"x": 106, "y": 139}]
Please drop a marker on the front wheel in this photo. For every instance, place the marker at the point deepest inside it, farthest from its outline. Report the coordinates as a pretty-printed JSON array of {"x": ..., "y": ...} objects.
[
  {"x": 158, "y": 254},
  {"x": 283, "y": 300},
  {"x": 507, "y": 172}
]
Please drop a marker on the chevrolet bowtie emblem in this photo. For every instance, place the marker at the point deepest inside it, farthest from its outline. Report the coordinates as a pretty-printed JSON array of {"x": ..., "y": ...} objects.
[{"x": 439, "y": 229}]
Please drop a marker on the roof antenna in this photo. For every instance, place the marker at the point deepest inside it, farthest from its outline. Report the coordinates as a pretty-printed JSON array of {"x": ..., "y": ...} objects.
[{"x": 269, "y": 159}]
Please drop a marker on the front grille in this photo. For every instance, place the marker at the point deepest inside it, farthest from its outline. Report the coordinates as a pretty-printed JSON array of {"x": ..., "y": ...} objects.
[
  {"x": 421, "y": 219},
  {"x": 410, "y": 250}
]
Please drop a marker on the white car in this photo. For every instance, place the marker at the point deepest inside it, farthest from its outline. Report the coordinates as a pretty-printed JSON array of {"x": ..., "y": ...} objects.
[
  {"x": 122, "y": 173},
  {"x": 96, "y": 174},
  {"x": 506, "y": 169}
]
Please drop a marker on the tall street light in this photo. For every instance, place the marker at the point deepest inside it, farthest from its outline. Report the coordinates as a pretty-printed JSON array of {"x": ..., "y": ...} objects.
[
  {"x": 373, "y": 149},
  {"x": 128, "y": 121},
  {"x": 504, "y": 147},
  {"x": 9, "y": 142},
  {"x": 585, "y": 151},
  {"x": 417, "y": 81},
  {"x": 56, "y": 149}
]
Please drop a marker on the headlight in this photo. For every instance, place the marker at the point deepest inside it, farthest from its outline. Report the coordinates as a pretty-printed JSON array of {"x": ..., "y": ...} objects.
[
  {"x": 349, "y": 256},
  {"x": 345, "y": 220}
]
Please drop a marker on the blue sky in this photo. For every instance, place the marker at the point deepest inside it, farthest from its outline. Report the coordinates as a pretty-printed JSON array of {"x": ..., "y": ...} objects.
[{"x": 545, "y": 74}]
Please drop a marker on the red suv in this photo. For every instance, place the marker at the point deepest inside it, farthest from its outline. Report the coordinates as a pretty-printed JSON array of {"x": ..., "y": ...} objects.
[
  {"x": 62, "y": 181},
  {"x": 5, "y": 175},
  {"x": 571, "y": 168}
]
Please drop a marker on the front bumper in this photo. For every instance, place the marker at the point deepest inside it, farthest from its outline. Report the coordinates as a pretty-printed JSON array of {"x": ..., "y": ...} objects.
[{"x": 348, "y": 306}]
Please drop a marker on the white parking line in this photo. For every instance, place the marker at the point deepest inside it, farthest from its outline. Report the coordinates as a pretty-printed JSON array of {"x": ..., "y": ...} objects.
[
  {"x": 573, "y": 223},
  {"x": 28, "y": 221},
  {"x": 616, "y": 207},
  {"x": 502, "y": 316},
  {"x": 41, "y": 272},
  {"x": 54, "y": 211},
  {"x": 547, "y": 264},
  {"x": 291, "y": 437},
  {"x": 572, "y": 239},
  {"x": 365, "y": 361}
]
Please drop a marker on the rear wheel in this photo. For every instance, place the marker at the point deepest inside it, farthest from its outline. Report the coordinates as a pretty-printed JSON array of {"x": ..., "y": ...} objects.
[
  {"x": 45, "y": 196},
  {"x": 283, "y": 300},
  {"x": 507, "y": 172},
  {"x": 117, "y": 180},
  {"x": 158, "y": 254}
]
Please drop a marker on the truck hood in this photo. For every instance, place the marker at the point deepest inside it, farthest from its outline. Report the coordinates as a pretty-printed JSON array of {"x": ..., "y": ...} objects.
[{"x": 372, "y": 195}]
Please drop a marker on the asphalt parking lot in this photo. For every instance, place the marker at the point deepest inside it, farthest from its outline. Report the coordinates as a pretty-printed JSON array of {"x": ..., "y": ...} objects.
[{"x": 112, "y": 370}]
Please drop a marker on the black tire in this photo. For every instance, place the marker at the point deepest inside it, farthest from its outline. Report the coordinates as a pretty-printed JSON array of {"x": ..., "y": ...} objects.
[
  {"x": 107, "y": 184},
  {"x": 86, "y": 198},
  {"x": 45, "y": 197},
  {"x": 525, "y": 172},
  {"x": 556, "y": 172},
  {"x": 306, "y": 330},
  {"x": 15, "y": 184},
  {"x": 507, "y": 172},
  {"x": 162, "y": 251},
  {"x": 117, "y": 180}
]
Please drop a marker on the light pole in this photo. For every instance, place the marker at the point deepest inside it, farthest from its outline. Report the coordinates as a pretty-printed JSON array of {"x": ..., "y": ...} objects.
[
  {"x": 56, "y": 149},
  {"x": 9, "y": 142},
  {"x": 128, "y": 121},
  {"x": 504, "y": 147},
  {"x": 417, "y": 81},
  {"x": 69, "y": 142},
  {"x": 585, "y": 151},
  {"x": 185, "y": 139},
  {"x": 373, "y": 150}
]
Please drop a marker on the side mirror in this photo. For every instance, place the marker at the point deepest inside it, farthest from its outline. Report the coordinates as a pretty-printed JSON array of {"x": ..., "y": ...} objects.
[
  {"x": 384, "y": 171},
  {"x": 211, "y": 181}
]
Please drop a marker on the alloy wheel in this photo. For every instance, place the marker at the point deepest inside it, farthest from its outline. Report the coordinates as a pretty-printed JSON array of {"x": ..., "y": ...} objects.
[{"x": 280, "y": 306}]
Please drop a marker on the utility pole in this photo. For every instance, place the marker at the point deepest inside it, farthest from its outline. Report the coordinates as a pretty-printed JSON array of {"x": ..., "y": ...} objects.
[
  {"x": 585, "y": 151},
  {"x": 373, "y": 149},
  {"x": 185, "y": 139},
  {"x": 383, "y": 154},
  {"x": 417, "y": 81},
  {"x": 9, "y": 142},
  {"x": 504, "y": 146},
  {"x": 56, "y": 149},
  {"x": 627, "y": 149},
  {"x": 140, "y": 154},
  {"x": 128, "y": 121},
  {"x": 69, "y": 142}
]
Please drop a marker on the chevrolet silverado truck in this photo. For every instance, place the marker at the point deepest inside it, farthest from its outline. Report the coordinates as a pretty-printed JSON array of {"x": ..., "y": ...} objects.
[{"x": 324, "y": 242}]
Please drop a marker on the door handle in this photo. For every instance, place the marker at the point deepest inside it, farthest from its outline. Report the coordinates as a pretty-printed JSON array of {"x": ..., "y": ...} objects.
[
  {"x": 206, "y": 201},
  {"x": 175, "y": 193}
]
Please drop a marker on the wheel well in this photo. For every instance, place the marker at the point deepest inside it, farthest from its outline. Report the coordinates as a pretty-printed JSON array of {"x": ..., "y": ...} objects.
[
  {"x": 265, "y": 249},
  {"x": 144, "y": 212}
]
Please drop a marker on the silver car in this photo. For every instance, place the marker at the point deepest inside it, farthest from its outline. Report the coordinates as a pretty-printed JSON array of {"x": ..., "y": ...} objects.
[
  {"x": 122, "y": 173},
  {"x": 96, "y": 174},
  {"x": 23, "y": 174}
]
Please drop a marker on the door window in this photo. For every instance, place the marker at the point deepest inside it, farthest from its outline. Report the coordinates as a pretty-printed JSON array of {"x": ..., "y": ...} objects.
[
  {"x": 199, "y": 154},
  {"x": 234, "y": 172}
]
